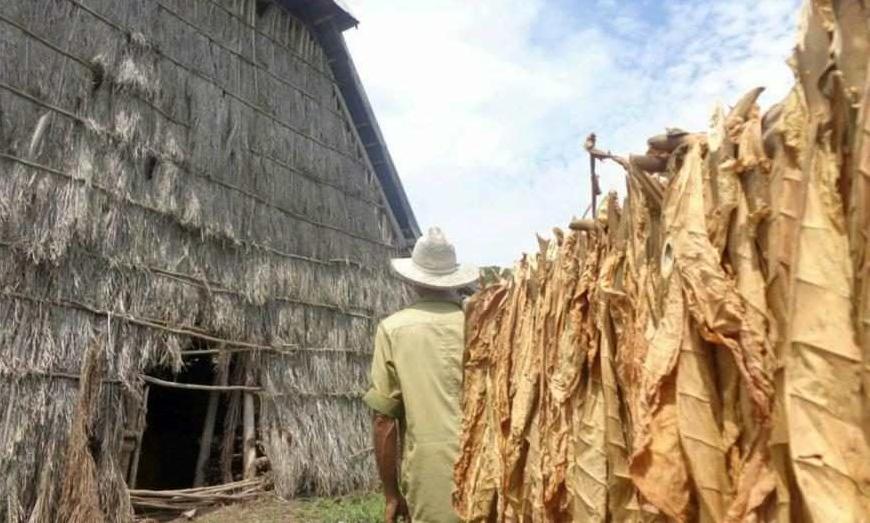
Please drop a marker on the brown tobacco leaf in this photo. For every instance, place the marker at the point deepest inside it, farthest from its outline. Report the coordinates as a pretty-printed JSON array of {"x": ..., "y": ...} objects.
[
  {"x": 621, "y": 493},
  {"x": 474, "y": 474},
  {"x": 755, "y": 332},
  {"x": 564, "y": 352},
  {"x": 852, "y": 44},
  {"x": 720, "y": 182},
  {"x": 657, "y": 466},
  {"x": 659, "y": 470},
  {"x": 711, "y": 295},
  {"x": 587, "y": 481},
  {"x": 823, "y": 366},
  {"x": 823, "y": 369},
  {"x": 853, "y": 17},
  {"x": 788, "y": 188},
  {"x": 697, "y": 414}
]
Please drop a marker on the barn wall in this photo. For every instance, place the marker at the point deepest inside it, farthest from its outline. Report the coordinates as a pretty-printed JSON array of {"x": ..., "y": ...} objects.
[{"x": 168, "y": 169}]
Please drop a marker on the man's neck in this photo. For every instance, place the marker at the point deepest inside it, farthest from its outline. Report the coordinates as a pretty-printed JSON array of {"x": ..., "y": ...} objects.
[{"x": 425, "y": 294}]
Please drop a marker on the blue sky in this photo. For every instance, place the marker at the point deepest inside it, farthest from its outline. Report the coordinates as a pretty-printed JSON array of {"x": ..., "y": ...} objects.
[{"x": 484, "y": 104}]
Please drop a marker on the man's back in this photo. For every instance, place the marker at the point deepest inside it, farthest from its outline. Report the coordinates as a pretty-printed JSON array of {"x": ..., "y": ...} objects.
[
  {"x": 416, "y": 382},
  {"x": 417, "y": 378}
]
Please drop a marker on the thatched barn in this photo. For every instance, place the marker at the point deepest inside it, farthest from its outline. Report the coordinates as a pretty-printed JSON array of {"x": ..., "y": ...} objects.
[{"x": 196, "y": 210}]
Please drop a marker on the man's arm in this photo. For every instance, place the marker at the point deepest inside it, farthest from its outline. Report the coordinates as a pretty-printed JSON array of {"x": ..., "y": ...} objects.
[{"x": 386, "y": 440}]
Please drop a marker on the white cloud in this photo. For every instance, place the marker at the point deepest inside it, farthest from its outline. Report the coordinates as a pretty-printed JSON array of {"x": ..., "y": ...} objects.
[{"x": 484, "y": 104}]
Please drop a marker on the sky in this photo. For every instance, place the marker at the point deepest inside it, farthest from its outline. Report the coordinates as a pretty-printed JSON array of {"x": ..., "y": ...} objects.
[{"x": 485, "y": 104}]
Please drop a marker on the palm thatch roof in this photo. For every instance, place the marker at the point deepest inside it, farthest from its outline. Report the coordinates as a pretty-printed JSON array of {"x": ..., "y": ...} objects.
[{"x": 174, "y": 171}]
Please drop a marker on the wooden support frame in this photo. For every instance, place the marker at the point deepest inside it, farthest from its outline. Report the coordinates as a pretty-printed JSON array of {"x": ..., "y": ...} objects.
[
  {"x": 205, "y": 441},
  {"x": 137, "y": 451},
  {"x": 249, "y": 445}
]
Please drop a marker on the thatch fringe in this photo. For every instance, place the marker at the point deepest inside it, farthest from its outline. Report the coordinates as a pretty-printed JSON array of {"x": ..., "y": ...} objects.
[
  {"x": 227, "y": 92},
  {"x": 187, "y": 221},
  {"x": 163, "y": 54},
  {"x": 292, "y": 391},
  {"x": 119, "y": 136},
  {"x": 210, "y": 287},
  {"x": 283, "y": 38},
  {"x": 179, "y": 164}
]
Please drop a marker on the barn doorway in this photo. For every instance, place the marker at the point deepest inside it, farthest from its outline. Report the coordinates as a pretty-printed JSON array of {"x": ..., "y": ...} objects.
[
  {"x": 174, "y": 422},
  {"x": 178, "y": 421}
]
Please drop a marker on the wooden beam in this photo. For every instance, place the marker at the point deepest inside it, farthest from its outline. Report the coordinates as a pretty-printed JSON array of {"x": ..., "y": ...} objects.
[
  {"x": 141, "y": 425},
  {"x": 192, "y": 386},
  {"x": 205, "y": 440},
  {"x": 249, "y": 441},
  {"x": 322, "y": 20}
]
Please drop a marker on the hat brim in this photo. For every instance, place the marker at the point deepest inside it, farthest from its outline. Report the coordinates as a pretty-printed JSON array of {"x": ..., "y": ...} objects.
[{"x": 463, "y": 275}]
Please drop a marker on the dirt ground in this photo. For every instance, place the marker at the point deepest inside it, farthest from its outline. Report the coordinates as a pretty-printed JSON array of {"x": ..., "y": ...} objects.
[{"x": 270, "y": 509}]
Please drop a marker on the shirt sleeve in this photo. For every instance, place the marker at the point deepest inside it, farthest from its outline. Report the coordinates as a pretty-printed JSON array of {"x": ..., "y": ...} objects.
[{"x": 385, "y": 394}]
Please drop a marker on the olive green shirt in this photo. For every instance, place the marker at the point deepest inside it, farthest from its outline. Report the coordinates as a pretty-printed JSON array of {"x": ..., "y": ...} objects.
[{"x": 417, "y": 378}]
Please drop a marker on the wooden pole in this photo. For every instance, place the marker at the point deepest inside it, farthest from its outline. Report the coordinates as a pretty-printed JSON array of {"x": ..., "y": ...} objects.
[
  {"x": 231, "y": 428},
  {"x": 598, "y": 154},
  {"x": 249, "y": 445},
  {"x": 595, "y": 190},
  {"x": 205, "y": 441},
  {"x": 192, "y": 386},
  {"x": 249, "y": 430},
  {"x": 233, "y": 417},
  {"x": 594, "y": 186},
  {"x": 141, "y": 427}
]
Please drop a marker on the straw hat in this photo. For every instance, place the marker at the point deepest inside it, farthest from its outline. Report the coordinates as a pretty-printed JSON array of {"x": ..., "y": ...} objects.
[{"x": 433, "y": 264}]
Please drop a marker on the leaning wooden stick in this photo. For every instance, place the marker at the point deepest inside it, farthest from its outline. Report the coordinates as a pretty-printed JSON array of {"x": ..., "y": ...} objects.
[
  {"x": 589, "y": 145},
  {"x": 249, "y": 438},
  {"x": 650, "y": 187},
  {"x": 193, "y": 386}
]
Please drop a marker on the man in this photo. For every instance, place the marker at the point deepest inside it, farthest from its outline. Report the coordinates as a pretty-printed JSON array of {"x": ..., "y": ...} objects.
[{"x": 416, "y": 382}]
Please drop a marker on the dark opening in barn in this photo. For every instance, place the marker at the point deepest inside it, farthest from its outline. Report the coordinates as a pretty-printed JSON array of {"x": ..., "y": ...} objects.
[{"x": 177, "y": 421}]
